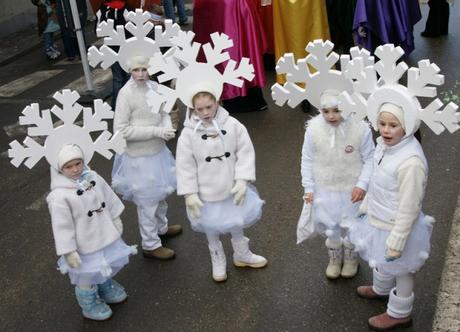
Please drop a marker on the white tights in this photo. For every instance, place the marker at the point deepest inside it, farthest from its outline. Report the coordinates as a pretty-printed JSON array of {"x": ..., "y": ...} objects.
[
  {"x": 214, "y": 238},
  {"x": 405, "y": 285}
]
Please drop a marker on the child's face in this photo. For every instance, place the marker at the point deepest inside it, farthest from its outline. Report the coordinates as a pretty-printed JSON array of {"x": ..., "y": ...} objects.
[
  {"x": 140, "y": 75},
  {"x": 205, "y": 107},
  {"x": 73, "y": 169},
  {"x": 332, "y": 116},
  {"x": 390, "y": 129}
]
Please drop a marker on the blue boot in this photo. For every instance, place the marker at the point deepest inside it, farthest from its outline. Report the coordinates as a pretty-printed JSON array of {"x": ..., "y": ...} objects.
[
  {"x": 91, "y": 305},
  {"x": 112, "y": 292}
]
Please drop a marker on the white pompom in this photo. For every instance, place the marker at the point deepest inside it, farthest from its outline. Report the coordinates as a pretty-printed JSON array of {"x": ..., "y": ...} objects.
[
  {"x": 372, "y": 263},
  {"x": 329, "y": 233},
  {"x": 423, "y": 255}
]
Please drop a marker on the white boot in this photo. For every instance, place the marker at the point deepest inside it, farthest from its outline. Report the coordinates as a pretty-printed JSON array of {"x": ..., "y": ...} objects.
[
  {"x": 219, "y": 262},
  {"x": 243, "y": 257},
  {"x": 335, "y": 252},
  {"x": 350, "y": 261}
]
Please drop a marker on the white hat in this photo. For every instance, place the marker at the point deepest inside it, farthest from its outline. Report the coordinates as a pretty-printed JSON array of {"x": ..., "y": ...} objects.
[
  {"x": 138, "y": 61},
  {"x": 396, "y": 111},
  {"x": 201, "y": 87},
  {"x": 329, "y": 99},
  {"x": 69, "y": 152}
]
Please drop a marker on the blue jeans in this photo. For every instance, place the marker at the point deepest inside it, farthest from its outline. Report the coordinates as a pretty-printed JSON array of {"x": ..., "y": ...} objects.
[
  {"x": 47, "y": 40},
  {"x": 169, "y": 10},
  {"x": 119, "y": 79}
]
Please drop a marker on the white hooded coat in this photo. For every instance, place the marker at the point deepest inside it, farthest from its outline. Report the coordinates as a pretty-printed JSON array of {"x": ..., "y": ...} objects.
[
  {"x": 73, "y": 229},
  {"x": 210, "y": 159}
]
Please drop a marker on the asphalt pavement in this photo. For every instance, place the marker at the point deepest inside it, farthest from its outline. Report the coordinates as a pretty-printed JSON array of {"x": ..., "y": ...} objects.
[{"x": 290, "y": 294}]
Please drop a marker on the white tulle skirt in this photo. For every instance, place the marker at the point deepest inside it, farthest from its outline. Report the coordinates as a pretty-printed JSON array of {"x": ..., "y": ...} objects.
[
  {"x": 370, "y": 243},
  {"x": 224, "y": 216},
  {"x": 333, "y": 210},
  {"x": 98, "y": 266},
  {"x": 144, "y": 180}
]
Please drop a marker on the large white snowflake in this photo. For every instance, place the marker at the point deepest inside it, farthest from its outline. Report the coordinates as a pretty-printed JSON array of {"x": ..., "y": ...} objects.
[
  {"x": 377, "y": 83},
  {"x": 139, "y": 26},
  {"x": 68, "y": 132},
  {"x": 312, "y": 82},
  {"x": 180, "y": 63}
]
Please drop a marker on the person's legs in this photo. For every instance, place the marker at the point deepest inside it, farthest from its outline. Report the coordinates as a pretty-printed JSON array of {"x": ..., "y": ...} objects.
[
  {"x": 119, "y": 79},
  {"x": 181, "y": 12},
  {"x": 169, "y": 10},
  {"x": 335, "y": 252}
]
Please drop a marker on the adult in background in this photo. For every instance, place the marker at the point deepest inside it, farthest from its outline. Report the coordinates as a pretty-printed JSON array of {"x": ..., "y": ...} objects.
[
  {"x": 65, "y": 19},
  {"x": 437, "y": 23}
]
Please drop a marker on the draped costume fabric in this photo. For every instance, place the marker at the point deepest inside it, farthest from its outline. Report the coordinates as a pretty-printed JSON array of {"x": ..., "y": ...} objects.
[
  {"x": 240, "y": 20},
  {"x": 386, "y": 21},
  {"x": 297, "y": 22}
]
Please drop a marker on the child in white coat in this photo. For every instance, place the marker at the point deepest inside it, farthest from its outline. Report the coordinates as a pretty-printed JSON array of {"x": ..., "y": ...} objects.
[
  {"x": 336, "y": 166},
  {"x": 393, "y": 234},
  {"x": 85, "y": 215},
  {"x": 145, "y": 173},
  {"x": 215, "y": 163}
]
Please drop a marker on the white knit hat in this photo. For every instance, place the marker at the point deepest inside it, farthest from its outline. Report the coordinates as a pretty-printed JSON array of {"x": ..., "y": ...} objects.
[
  {"x": 396, "y": 111},
  {"x": 329, "y": 99},
  {"x": 138, "y": 61},
  {"x": 206, "y": 86},
  {"x": 69, "y": 152}
]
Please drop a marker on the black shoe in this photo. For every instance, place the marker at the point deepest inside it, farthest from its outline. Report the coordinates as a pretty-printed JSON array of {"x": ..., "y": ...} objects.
[{"x": 428, "y": 34}]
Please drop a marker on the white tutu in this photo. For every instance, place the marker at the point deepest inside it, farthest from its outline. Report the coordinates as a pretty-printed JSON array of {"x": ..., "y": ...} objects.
[
  {"x": 224, "y": 216},
  {"x": 370, "y": 243},
  {"x": 144, "y": 180},
  {"x": 332, "y": 210},
  {"x": 98, "y": 266}
]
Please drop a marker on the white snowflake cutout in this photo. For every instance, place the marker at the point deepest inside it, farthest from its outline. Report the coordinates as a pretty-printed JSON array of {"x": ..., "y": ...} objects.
[
  {"x": 181, "y": 64},
  {"x": 378, "y": 83},
  {"x": 66, "y": 133},
  {"x": 139, "y": 26},
  {"x": 322, "y": 58}
]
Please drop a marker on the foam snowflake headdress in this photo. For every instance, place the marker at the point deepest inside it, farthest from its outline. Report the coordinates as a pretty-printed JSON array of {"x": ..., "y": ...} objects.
[
  {"x": 377, "y": 83},
  {"x": 180, "y": 63},
  {"x": 139, "y": 44},
  {"x": 324, "y": 78},
  {"x": 66, "y": 133}
]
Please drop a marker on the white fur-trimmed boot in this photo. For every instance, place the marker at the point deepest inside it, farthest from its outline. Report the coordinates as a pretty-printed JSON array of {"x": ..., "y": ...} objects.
[
  {"x": 243, "y": 257},
  {"x": 219, "y": 262},
  {"x": 350, "y": 261},
  {"x": 335, "y": 252},
  {"x": 397, "y": 315}
]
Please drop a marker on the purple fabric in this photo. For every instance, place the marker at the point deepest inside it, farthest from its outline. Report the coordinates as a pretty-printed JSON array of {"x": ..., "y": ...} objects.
[
  {"x": 240, "y": 20},
  {"x": 386, "y": 21}
]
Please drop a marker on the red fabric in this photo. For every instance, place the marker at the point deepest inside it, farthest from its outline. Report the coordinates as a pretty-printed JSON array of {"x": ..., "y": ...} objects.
[
  {"x": 239, "y": 19},
  {"x": 115, "y": 4}
]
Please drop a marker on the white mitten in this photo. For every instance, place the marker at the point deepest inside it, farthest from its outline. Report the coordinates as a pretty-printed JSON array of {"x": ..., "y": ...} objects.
[
  {"x": 239, "y": 190},
  {"x": 118, "y": 225},
  {"x": 164, "y": 133},
  {"x": 73, "y": 259},
  {"x": 193, "y": 204}
]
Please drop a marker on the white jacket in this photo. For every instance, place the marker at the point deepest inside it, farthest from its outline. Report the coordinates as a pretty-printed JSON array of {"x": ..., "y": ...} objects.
[
  {"x": 209, "y": 160},
  {"x": 336, "y": 158},
  {"x": 73, "y": 229},
  {"x": 139, "y": 125},
  {"x": 396, "y": 192}
]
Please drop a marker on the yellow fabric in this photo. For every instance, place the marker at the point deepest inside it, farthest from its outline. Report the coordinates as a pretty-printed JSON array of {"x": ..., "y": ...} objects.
[{"x": 297, "y": 22}]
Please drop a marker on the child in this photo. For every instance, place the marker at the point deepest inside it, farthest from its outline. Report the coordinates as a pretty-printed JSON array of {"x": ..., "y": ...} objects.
[
  {"x": 85, "y": 215},
  {"x": 394, "y": 235},
  {"x": 47, "y": 25},
  {"x": 145, "y": 173},
  {"x": 336, "y": 166},
  {"x": 215, "y": 162}
]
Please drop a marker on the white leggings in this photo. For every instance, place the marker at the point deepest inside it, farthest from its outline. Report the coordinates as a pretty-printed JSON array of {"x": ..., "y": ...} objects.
[{"x": 214, "y": 238}]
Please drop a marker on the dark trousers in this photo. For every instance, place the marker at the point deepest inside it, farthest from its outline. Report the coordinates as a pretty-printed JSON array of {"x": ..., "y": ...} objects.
[
  {"x": 65, "y": 20},
  {"x": 119, "y": 79},
  {"x": 438, "y": 18}
]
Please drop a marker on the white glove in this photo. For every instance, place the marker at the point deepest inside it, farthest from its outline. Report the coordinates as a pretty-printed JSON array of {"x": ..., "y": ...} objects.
[
  {"x": 118, "y": 225},
  {"x": 193, "y": 204},
  {"x": 164, "y": 133},
  {"x": 239, "y": 190},
  {"x": 73, "y": 259}
]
